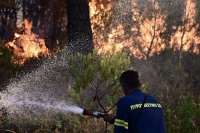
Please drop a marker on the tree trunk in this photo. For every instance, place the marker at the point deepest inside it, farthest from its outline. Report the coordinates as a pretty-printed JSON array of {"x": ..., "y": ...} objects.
[
  {"x": 79, "y": 27},
  {"x": 3, "y": 20},
  {"x": 24, "y": 9}
]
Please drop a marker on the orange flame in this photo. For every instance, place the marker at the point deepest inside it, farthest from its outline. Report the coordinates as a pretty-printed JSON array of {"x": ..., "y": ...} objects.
[
  {"x": 28, "y": 44},
  {"x": 147, "y": 34},
  {"x": 185, "y": 38},
  {"x": 149, "y": 39}
]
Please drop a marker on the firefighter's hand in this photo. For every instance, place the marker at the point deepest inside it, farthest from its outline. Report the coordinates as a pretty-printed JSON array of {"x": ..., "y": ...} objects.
[{"x": 110, "y": 118}]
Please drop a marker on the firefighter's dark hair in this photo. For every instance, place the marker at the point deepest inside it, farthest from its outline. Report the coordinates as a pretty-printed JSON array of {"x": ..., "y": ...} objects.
[{"x": 130, "y": 79}]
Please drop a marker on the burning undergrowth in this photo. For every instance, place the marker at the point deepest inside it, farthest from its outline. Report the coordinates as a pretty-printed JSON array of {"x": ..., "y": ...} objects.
[{"x": 26, "y": 44}]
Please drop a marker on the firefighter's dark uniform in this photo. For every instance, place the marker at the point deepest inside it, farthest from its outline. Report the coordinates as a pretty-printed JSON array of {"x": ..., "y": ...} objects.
[{"x": 151, "y": 119}]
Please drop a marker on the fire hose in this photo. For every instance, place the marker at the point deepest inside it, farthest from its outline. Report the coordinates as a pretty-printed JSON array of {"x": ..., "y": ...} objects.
[
  {"x": 92, "y": 113},
  {"x": 95, "y": 114}
]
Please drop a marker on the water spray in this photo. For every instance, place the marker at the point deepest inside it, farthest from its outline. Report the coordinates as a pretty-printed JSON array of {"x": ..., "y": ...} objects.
[{"x": 92, "y": 113}]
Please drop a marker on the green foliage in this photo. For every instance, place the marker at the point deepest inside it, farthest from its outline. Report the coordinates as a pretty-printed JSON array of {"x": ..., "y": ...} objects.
[
  {"x": 99, "y": 75},
  {"x": 6, "y": 60},
  {"x": 169, "y": 82},
  {"x": 72, "y": 93},
  {"x": 4, "y": 122},
  {"x": 182, "y": 118},
  {"x": 170, "y": 79},
  {"x": 9, "y": 65},
  {"x": 51, "y": 122}
]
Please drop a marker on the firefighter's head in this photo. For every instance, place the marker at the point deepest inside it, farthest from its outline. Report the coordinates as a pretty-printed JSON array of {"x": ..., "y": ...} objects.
[{"x": 130, "y": 81}]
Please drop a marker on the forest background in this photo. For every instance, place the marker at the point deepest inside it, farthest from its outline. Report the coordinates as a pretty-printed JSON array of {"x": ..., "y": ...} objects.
[{"x": 161, "y": 38}]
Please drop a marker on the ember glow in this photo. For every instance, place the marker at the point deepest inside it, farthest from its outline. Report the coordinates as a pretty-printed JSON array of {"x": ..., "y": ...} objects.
[
  {"x": 28, "y": 44},
  {"x": 146, "y": 27}
]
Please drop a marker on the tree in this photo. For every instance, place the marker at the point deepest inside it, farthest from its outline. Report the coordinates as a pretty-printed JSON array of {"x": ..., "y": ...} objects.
[
  {"x": 8, "y": 19},
  {"x": 79, "y": 27},
  {"x": 48, "y": 17},
  {"x": 187, "y": 35},
  {"x": 182, "y": 119},
  {"x": 150, "y": 28},
  {"x": 96, "y": 79},
  {"x": 97, "y": 76}
]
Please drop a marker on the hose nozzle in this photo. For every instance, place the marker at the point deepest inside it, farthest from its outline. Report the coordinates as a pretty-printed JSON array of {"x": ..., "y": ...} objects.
[{"x": 91, "y": 113}]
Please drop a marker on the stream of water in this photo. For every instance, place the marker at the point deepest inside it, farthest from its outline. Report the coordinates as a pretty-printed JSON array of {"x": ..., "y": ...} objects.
[{"x": 45, "y": 87}]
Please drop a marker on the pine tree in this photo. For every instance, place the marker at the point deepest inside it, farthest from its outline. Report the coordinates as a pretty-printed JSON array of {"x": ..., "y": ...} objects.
[
  {"x": 98, "y": 75},
  {"x": 183, "y": 118}
]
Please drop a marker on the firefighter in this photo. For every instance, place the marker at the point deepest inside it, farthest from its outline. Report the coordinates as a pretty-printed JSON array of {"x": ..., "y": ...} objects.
[{"x": 136, "y": 112}]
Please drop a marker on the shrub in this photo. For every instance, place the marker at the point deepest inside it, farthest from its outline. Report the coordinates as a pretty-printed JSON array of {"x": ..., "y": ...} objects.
[
  {"x": 7, "y": 61},
  {"x": 98, "y": 74},
  {"x": 182, "y": 119},
  {"x": 96, "y": 79}
]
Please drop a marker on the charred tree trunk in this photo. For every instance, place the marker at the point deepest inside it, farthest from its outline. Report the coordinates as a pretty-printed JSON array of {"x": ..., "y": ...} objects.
[
  {"x": 14, "y": 18},
  {"x": 4, "y": 17},
  {"x": 79, "y": 27},
  {"x": 24, "y": 9},
  {"x": 8, "y": 19}
]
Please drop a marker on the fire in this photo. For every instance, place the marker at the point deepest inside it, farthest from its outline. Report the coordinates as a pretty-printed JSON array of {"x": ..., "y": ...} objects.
[
  {"x": 28, "y": 44},
  {"x": 138, "y": 44},
  {"x": 186, "y": 36},
  {"x": 145, "y": 37},
  {"x": 150, "y": 29},
  {"x": 101, "y": 9}
]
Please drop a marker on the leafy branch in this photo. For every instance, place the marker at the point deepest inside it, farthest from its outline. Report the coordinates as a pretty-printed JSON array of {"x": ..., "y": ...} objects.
[{"x": 99, "y": 75}]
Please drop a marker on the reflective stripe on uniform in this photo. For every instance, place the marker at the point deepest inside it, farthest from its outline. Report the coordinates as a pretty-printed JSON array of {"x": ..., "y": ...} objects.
[
  {"x": 155, "y": 105},
  {"x": 121, "y": 123}
]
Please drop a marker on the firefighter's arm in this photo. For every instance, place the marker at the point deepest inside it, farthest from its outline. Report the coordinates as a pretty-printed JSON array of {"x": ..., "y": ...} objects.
[{"x": 121, "y": 121}]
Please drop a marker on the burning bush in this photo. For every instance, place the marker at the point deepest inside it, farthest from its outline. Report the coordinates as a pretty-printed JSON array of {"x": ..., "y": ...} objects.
[{"x": 28, "y": 44}]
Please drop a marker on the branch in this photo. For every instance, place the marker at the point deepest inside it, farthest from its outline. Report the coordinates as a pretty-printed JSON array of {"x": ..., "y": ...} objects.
[
  {"x": 111, "y": 108},
  {"x": 99, "y": 100},
  {"x": 103, "y": 86},
  {"x": 184, "y": 30},
  {"x": 106, "y": 91},
  {"x": 92, "y": 88},
  {"x": 8, "y": 131},
  {"x": 190, "y": 38},
  {"x": 154, "y": 35},
  {"x": 103, "y": 95}
]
